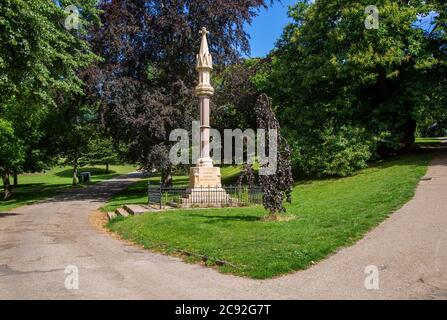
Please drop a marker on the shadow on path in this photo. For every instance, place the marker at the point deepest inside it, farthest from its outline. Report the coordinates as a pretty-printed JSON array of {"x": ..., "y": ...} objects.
[
  {"x": 8, "y": 214},
  {"x": 99, "y": 192}
]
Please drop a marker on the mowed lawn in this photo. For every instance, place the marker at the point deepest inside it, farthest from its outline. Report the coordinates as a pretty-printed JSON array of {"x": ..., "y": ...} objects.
[
  {"x": 38, "y": 186},
  {"x": 328, "y": 214},
  {"x": 424, "y": 142}
]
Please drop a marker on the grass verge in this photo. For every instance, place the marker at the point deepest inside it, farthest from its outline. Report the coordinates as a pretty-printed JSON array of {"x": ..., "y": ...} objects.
[{"x": 329, "y": 214}]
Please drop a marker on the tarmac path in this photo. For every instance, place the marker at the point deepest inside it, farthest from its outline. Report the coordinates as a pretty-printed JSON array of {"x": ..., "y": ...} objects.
[{"x": 39, "y": 241}]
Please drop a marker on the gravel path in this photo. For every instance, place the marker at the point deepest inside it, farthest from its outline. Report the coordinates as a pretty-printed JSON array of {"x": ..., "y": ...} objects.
[{"x": 39, "y": 241}]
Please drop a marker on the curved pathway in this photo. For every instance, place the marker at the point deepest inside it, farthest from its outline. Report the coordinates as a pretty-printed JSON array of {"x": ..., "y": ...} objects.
[{"x": 39, "y": 241}]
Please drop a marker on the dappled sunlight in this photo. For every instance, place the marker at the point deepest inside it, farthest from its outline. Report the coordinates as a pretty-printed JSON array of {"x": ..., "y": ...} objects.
[{"x": 40, "y": 186}]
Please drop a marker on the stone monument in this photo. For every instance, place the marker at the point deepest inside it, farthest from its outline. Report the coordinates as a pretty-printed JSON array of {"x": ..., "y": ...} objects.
[{"x": 204, "y": 180}]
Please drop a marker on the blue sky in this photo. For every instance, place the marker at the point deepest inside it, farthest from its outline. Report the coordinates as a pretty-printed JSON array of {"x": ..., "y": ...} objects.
[{"x": 267, "y": 27}]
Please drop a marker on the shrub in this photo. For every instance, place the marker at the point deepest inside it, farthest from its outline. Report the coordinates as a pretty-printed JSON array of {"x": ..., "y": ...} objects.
[{"x": 333, "y": 153}]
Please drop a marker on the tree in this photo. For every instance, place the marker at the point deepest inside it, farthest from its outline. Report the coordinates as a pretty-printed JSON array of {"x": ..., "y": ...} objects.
[
  {"x": 37, "y": 54},
  {"x": 236, "y": 95},
  {"x": 432, "y": 111},
  {"x": 276, "y": 187},
  {"x": 147, "y": 75},
  {"x": 72, "y": 125},
  {"x": 28, "y": 122},
  {"x": 39, "y": 60},
  {"x": 347, "y": 93},
  {"x": 101, "y": 151},
  {"x": 11, "y": 154}
]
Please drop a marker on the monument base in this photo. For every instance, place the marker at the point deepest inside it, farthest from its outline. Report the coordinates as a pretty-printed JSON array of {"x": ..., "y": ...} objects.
[
  {"x": 206, "y": 197},
  {"x": 205, "y": 188},
  {"x": 204, "y": 177}
]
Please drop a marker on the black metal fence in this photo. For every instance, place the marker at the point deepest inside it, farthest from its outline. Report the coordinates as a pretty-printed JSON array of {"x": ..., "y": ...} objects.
[{"x": 224, "y": 196}]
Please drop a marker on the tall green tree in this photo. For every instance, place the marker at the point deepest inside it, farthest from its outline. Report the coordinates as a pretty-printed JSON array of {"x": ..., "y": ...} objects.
[
  {"x": 101, "y": 150},
  {"x": 28, "y": 121},
  {"x": 40, "y": 58},
  {"x": 347, "y": 93},
  {"x": 433, "y": 110},
  {"x": 72, "y": 126},
  {"x": 11, "y": 154}
]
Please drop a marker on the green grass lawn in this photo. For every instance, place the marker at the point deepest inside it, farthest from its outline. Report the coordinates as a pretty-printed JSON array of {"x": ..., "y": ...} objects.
[
  {"x": 428, "y": 141},
  {"x": 329, "y": 214},
  {"x": 38, "y": 186}
]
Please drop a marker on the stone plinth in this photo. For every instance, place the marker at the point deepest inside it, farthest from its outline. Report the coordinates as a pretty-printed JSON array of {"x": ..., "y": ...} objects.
[
  {"x": 206, "y": 197},
  {"x": 204, "y": 177},
  {"x": 205, "y": 188}
]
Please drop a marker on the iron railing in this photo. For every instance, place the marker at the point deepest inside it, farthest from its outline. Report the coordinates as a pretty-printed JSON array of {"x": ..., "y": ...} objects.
[{"x": 224, "y": 196}]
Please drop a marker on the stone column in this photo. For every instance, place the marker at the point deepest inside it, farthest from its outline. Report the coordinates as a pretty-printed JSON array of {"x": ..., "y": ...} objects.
[
  {"x": 205, "y": 174},
  {"x": 204, "y": 91}
]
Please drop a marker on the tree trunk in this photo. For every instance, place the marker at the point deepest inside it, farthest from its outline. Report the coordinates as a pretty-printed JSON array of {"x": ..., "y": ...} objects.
[
  {"x": 16, "y": 179},
  {"x": 409, "y": 130},
  {"x": 107, "y": 168},
  {"x": 166, "y": 177},
  {"x": 75, "y": 173},
  {"x": 6, "y": 186}
]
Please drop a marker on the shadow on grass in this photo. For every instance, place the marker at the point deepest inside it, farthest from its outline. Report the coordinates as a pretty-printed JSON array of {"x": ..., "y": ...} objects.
[
  {"x": 223, "y": 218},
  {"x": 26, "y": 193},
  {"x": 68, "y": 173},
  {"x": 230, "y": 180},
  {"x": 411, "y": 159},
  {"x": 129, "y": 196}
]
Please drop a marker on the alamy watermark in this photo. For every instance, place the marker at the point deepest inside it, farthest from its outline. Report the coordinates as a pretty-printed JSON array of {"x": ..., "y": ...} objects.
[
  {"x": 372, "y": 18},
  {"x": 72, "y": 20},
  {"x": 372, "y": 278},
  {"x": 72, "y": 277},
  {"x": 236, "y": 143}
]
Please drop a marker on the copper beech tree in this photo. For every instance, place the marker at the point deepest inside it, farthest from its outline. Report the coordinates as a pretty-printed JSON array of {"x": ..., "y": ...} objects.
[
  {"x": 147, "y": 75},
  {"x": 276, "y": 187}
]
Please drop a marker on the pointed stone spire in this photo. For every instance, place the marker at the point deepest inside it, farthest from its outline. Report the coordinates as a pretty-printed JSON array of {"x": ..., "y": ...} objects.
[
  {"x": 204, "y": 44},
  {"x": 204, "y": 59},
  {"x": 204, "y": 67}
]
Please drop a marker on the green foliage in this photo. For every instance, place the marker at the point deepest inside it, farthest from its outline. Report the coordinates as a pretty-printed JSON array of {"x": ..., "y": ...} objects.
[
  {"x": 11, "y": 148},
  {"x": 100, "y": 151},
  {"x": 332, "y": 153},
  {"x": 73, "y": 126},
  {"x": 37, "y": 54},
  {"x": 346, "y": 93},
  {"x": 28, "y": 121},
  {"x": 40, "y": 61}
]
